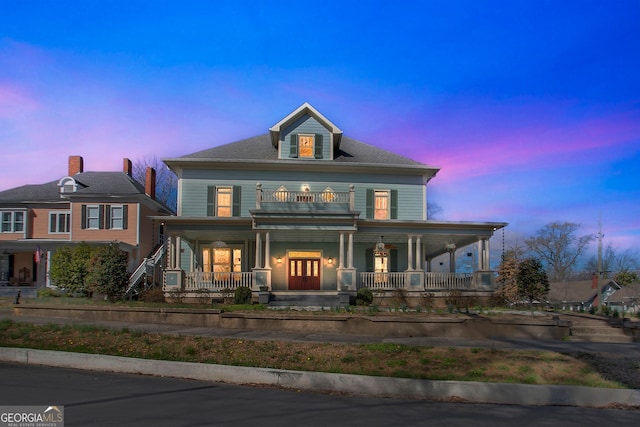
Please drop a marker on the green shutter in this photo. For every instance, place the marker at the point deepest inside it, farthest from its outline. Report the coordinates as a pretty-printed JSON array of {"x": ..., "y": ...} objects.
[
  {"x": 369, "y": 259},
  {"x": 393, "y": 260},
  {"x": 293, "y": 147},
  {"x": 125, "y": 217},
  {"x": 317, "y": 148},
  {"x": 236, "y": 200},
  {"x": 394, "y": 204},
  {"x": 369, "y": 207},
  {"x": 84, "y": 217},
  {"x": 211, "y": 200}
]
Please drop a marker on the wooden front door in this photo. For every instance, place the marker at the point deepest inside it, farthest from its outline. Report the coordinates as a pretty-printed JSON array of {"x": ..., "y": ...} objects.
[{"x": 304, "y": 274}]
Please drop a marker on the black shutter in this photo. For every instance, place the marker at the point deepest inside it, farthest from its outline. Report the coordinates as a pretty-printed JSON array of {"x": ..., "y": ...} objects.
[
  {"x": 84, "y": 217},
  {"x": 393, "y": 260},
  {"x": 210, "y": 200},
  {"x": 107, "y": 216},
  {"x": 100, "y": 217},
  {"x": 125, "y": 217},
  {"x": 394, "y": 204},
  {"x": 293, "y": 148},
  {"x": 317, "y": 148},
  {"x": 369, "y": 207},
  {"x": 52, "y": 223},
  {"x": 236, "y": 200}
]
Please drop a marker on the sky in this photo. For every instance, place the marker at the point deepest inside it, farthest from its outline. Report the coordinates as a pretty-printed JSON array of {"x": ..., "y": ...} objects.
[{"x": 530, "y": 108}]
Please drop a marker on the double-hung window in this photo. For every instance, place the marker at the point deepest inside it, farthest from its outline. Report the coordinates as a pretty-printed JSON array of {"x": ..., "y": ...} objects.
[
  {"x": 59, "y": 222},
  {"x": 382, "y": 204},
  {"x": 116, "y": 217},
  {"x": 12, "y": 222},
  {"x": 223, "y": 201},
  {"x": 93, "y": 217}
]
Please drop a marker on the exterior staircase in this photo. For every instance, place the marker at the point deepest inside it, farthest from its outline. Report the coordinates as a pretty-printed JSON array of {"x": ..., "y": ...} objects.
[
  {"x": 137, "y": 279},
  {"x": 591, "y": 328}
]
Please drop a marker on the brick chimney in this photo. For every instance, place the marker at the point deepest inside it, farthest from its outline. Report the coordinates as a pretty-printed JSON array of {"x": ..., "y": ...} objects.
[
  {"x": 150, "y": 182},
  {"x": 127, "y": 167},
  {"x": 75, "y": 165},
  {"x": 594, "y": 281}
]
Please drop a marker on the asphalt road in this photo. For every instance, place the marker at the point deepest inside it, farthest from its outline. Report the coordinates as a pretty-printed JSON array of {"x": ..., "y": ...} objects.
[{"x": 104, "y": 399}]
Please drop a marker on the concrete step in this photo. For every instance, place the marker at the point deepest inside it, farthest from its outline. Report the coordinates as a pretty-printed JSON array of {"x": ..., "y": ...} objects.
[{"x": 326, "y": 301}]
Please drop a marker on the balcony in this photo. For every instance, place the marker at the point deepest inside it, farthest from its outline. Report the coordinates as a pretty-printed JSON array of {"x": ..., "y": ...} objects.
[{"x": 304, "y": 200}]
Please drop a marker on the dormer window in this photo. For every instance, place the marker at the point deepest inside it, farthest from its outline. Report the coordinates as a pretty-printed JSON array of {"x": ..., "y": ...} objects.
[
  {"x": 305, "y": 142},
  {"x": 68, "y": 185},
  {"x": 306, "y": 146}
]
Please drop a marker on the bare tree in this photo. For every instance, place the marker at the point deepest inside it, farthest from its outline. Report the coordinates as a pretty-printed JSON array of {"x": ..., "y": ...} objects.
[
  {"x": 166, "y": 181},
  {"x": 433, "y": 209},
  {"x": 559, "y": 248},
  {"x": 614, "y": 262}
]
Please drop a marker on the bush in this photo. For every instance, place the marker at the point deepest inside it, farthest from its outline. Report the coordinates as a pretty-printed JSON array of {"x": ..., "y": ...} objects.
[
  {"x": 364, "y": 296},
  {"x": 152, "y": 295},
  {"x": 50, "y": 292},
  {"x": 242, "y": 295}
]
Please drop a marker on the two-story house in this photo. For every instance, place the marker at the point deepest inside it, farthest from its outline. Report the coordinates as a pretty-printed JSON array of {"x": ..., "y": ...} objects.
[
  {"x": 91, "y": 207},
  {"x": 303, "y": 208}
]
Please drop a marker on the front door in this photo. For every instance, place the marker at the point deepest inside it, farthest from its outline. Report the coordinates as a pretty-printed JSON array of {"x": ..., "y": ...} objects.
[{"x": 304, "y": 274}]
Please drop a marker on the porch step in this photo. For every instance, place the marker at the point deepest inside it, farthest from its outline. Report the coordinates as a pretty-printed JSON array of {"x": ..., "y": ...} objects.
[
  {"x": 325, "y": 301},
  {"x": 588, "y": 329}
]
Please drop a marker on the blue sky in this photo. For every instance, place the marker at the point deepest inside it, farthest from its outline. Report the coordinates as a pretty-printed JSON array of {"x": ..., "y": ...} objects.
[{"x": 531, "y": 108}]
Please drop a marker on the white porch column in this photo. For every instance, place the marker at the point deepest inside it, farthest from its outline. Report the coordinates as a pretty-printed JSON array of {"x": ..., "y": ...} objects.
[
  {"x": 452, "y": 261},
  {"x": 177, "y": 253},
  {"x": 341, "y": 252},
  {"x": 483, "y": 254},
  {"x": 410, "y": 253},
  {"x": 267, "y": 250},
  {"x": 350, "y": 252},
  {"x": 419, "y": 265},
  {"x": 480, "y": 255},
  {"x": 487, "y": 255},
  {"x": 258, "y": 250}
]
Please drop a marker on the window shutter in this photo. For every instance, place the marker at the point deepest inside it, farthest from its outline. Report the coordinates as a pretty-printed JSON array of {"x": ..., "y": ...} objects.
[
  {"x": 393, "y": 260},
  {"x": 211, "y": 200},
  {"x": 125, "y": 217},
  {"x": 293, "y": 148},
  {"x": 236, "y": 200},
  {"x": 318, "y": 146},
  {"x": 369, "y": 259},
  {"x": 369, "y": 207},
  {"x": 101, "y": 217},
  {"x": 107, "y": 216},
  {"x": 394, "y": 204},
  {"x": 84, "y": 217}
]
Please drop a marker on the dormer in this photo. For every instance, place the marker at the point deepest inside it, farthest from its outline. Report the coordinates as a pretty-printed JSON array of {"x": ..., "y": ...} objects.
[
  {"x": 68, "y": 185},
  {"x": 305, "y": 134}
]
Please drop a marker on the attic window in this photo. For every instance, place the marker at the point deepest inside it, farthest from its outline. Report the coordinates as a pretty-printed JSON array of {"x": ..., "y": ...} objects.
[
  {"x": 68, "y": 185},
  {"x": 306, "y": 144}
]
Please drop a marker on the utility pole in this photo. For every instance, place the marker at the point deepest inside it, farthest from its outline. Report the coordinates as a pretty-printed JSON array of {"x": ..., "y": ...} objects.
[{"x": 600, "y": 236}]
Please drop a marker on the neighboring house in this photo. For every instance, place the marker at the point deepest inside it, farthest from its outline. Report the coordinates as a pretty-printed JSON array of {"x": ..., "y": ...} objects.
[
  {"x": 581, "y": 295},
  {"x": 303, "y": 208},
  {"x": 626, "y": 299},
  {"x": 91, "y": 207}
]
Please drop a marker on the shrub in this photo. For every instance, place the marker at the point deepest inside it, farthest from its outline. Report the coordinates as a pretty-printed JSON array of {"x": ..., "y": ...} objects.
[
  {"x": 152, "y": 295},
  {"x": 50, "y": 292},
  {"x": 364, "y": 296},
  {"x": 242, "y": 295}
]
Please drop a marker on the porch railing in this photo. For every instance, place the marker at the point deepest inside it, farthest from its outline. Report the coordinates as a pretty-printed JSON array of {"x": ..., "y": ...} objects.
[
  {"x": 286, "y": 196},
  {"x": 432, "y": 281},
  {"x": 211, "y": 281}
]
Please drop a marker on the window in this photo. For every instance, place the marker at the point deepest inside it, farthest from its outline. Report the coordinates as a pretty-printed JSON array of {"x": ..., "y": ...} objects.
[
  {"x": 93, "y": 217},
  {"x": 12, "y": 222},
  {"x": 382, "y": 204},
  {"x": 223, "y": 201},
  {"x": 328, "y": 195},
  {"x": 59, "y": 222},
  {"x": 116, "y": 217},
  {"x": 221, "y": 262},
  {"x": 306, "y": 146}
]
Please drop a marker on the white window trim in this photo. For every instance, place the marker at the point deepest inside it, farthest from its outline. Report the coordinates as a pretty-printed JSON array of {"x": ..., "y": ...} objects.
[
  {"x": 56, "y": 213},
  {"x": 111, "y": 217},
  {"x": 89, "y": 217},
  {"x": 12, "y": 222},
  {"x": 388, "y": 197}
]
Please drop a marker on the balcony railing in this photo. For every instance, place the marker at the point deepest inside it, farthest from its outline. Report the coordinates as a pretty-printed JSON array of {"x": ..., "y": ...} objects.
[
  {"x": 198, "y": 280},
  {"x": 286, "y": 196}
]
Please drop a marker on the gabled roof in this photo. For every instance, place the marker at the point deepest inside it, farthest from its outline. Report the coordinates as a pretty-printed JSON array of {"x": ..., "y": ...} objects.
[
  {"x": 89, "y": 184},
  {"x": 306, "y": 108},
  {"x": 580, "y": 291},
  {"x": 626, "y": 295}
]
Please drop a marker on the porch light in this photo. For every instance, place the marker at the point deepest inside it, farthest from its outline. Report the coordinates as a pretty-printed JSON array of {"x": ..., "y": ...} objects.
[
  {"x": 330, "y": 260},
  {"x": 450, "y": 246},
  {"x": 279, "y": 260},
  {"x": 218, "y": 244},
  {"x": 380, "y": 249}
]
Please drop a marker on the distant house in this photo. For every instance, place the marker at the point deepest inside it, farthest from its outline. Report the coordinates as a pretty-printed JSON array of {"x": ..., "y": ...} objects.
[
  {"x": 304, "y": 209},
  {"x": 626, "y": 299},
  {"x": 91, "y": 207},
  {"x": 581, "y": 295}
]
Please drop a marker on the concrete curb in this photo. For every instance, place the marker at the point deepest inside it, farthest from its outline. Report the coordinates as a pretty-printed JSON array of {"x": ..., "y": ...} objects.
[{"x": 477, "y": 392}]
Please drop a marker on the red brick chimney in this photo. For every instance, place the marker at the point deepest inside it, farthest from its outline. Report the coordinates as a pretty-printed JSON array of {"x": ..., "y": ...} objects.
[
  {"x": 127, "y": 167},
  {"x": 594, "y": 281},
  {"x": 150, "y": 182},
  {"x": 75, "y": 165}
]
